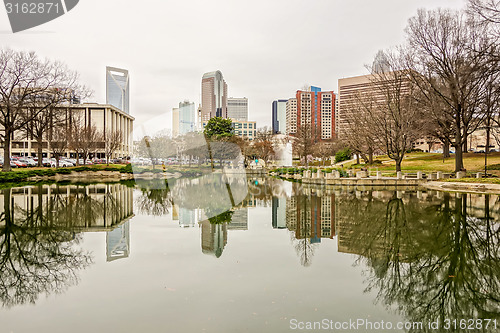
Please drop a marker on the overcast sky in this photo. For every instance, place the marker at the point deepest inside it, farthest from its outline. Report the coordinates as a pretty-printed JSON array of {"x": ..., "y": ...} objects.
[{"x": 266, "y": 50}]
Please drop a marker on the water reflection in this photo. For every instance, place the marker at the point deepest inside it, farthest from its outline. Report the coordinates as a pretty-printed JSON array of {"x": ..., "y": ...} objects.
[
  {"x": 40, "y": 228},
  {"x": 429, "y": 255},
  {"x": 433, "y": 257}
]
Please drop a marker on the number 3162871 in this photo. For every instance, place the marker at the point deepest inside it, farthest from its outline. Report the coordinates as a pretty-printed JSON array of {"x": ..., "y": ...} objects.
[{"x": 32, "y": 8}]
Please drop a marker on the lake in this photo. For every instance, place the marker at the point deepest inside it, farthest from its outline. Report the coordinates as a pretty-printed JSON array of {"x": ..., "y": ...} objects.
[{"x": 245, "y": 254}]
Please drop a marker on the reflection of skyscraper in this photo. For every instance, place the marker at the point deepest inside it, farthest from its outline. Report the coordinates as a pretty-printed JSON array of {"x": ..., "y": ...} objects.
[
  {"x": 239, "y": 220},
  {"x": 117, "y": 88},
  {"x": 186, "y": 217},
  {"x": 311, "y": 217},
  {"x": 175, "y": 212},
  {"x": 118, "y": 242},
  {"x": 213, "y": 238},
  {"x": 213, "y": 96},
  {"x": 279, "y": 213}
]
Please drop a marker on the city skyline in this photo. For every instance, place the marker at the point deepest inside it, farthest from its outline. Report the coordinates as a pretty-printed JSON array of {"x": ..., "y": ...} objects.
[{"x": 260, "y": 65}]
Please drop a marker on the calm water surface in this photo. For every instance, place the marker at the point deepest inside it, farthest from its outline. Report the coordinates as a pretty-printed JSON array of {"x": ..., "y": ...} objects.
[{"x": 147, "y": 258}]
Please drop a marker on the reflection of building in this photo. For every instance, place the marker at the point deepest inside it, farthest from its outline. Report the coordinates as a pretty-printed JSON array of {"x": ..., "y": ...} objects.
[
  {"x": 187, "y": 217},
  {"x": 311, "y": 216},
  {"x": 213, "y": 238},
  {"x": 117, "y": 88},
  {"x": 213, "y": 96},
  {"x": 279, "y": 213},
  {"x": 237, "y": 108},
  {"x": 91, "y": 208},
  {"x": 239, "y": 220},
  {"x": 279, "y": 116},
  {"x": 118, "y": 242}
]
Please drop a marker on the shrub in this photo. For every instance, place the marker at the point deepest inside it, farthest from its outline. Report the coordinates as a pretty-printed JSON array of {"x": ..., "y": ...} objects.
[{"x": 343, "y": 155}]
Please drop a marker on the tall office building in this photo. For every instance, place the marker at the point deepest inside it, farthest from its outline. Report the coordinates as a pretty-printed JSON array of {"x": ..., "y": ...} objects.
[
  {"x": 117, "y": 88},
  {"x": 187, "y": 117},
  {"x": 237, "y": 108},
  {"x": 291, "y": 116},
  {"x": 175, "y": 122},
  {"x": 213, "y": 96},
  {"x": 317, "y": 110},
  {"x": 279, "y": 116},
  {"x": 352, "y": 89}
]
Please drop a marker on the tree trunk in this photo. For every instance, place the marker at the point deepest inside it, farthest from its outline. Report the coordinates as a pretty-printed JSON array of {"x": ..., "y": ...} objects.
[
  {"x": 446, "y": 148},
  {"x": 487, "y": 148},
  {"x": 398, "y": 164},
  {"x": 357, "y": 159},
  {"x": 39, "y": 151},
  {"x": 459, "y": 159},
  {"x": 370, "y": 156},
  {"x": 6, "y": 151}
]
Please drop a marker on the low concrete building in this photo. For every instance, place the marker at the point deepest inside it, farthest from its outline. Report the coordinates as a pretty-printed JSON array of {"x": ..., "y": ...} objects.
[{"x": 105, "y": 117}]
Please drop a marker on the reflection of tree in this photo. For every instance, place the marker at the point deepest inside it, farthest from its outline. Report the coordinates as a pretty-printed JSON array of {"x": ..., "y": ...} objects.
[
  {"x": 434, "y": 261},
  {"x": 35, "y": 257},
  {"x": 221, "y": 218},
  {"x": 301, "y": 235},
  {"x": 154, "y": 200}
]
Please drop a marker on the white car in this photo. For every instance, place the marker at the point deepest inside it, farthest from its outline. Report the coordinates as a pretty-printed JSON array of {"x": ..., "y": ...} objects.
[{"x": 62, "y": 164}]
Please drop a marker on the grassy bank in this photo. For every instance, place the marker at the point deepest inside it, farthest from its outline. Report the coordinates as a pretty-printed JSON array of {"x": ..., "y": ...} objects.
[
  {"x": 21, "y": 175},
  {"x": 428, "y": 162}
]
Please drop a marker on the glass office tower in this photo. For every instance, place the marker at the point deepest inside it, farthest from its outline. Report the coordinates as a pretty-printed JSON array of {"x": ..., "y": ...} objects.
[{"x": 117, "y": 88}]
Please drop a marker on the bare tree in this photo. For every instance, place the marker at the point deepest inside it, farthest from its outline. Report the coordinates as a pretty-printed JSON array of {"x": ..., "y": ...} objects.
[
  {"x": 359, "y": 138},
  {"x": 58, "y": 141},
  {"x": 391, "y": 109},
  {"x": 263, "y": 146},
  {"x": 112, "y": 142},
  {"x": 488, "y": 10},
  {"x": 84, "y": 138},
  {"x": 30, "y": 86},
  {"x": 445, "y": 69},
  {"x": 306, "y": 138}
]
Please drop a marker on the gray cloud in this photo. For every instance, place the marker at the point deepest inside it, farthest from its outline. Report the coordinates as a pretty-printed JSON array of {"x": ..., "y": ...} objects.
[{"x": 265, "y": 49}]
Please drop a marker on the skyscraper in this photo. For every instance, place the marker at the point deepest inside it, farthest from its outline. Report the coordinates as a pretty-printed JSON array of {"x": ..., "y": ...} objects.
[
  {"x": 213, "y": 96},
  {"x": 291, "y": 116},
  {"x": 316, "y": 109},
  {"x": 237, "y": 108},
  {"x": 279, "y": 116},
  {"x": 117, "y": 88},
  {"x": 187, "y": 117},
  {"x": 175, "y": 122}
]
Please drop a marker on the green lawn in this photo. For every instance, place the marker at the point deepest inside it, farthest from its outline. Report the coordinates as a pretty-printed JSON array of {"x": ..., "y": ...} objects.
[{"x": 428, "y": 162}]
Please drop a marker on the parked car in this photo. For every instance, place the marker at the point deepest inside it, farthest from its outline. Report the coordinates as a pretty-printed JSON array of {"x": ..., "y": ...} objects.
[
  {"x": 62, "y": 164},
  {"x": 17, "y": 164},
  {"x": 46, "y": 162},
  {"x": 28, "y": 161}
]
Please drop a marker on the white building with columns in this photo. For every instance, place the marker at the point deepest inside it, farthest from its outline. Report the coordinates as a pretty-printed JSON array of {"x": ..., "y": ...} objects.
[{"x": 105, "y": 117}]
